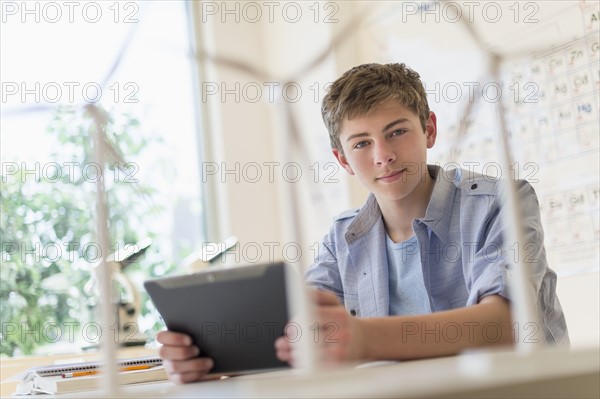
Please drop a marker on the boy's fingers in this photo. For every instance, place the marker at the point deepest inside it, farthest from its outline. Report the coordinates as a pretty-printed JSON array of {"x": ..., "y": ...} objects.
[
  {"x": 178, "y": 352},
  {"x": 282, "y": 344},
  {"x": 284, "y": 356},
  {"x": 326, "y": 298},
  {"x": 192, "y": 376},
  {"x": 173, "y": 338},
  {"x": 201, "y": 364}
]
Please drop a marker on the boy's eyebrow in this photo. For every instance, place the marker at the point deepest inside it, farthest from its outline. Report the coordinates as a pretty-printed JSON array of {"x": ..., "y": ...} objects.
[
  {"x": 389, "y": 125},
  {"x": 353, "y": 136}
]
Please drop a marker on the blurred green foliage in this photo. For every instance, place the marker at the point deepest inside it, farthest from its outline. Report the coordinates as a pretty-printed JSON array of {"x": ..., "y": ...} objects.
[{"x": 48, "y": 231}]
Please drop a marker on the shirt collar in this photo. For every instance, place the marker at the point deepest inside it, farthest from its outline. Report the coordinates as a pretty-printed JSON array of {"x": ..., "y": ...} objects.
[
  {"x": 437, "y": 216},
  {"x": 440, "y": 208}
]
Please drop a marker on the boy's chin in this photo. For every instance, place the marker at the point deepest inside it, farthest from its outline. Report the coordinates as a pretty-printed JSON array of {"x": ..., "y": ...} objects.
[{"x": 391, "y": 195}]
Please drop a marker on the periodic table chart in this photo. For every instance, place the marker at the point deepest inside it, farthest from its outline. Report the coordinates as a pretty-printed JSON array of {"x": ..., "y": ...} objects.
[
  {"x": 554, "y": 125},
  {"x": 553, "y": 118},
  {"x": 560, "y": 132}
]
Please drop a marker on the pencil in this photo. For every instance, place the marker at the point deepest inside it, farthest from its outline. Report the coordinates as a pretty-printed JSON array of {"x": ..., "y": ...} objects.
[
  {"x": 80, "y": 373},
  {"x": 94, "y": 372},
  {"x": 137, "y": 367}
]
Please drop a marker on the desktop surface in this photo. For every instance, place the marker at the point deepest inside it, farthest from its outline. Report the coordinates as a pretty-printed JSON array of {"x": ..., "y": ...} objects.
[{"x": 547, "y": 373}]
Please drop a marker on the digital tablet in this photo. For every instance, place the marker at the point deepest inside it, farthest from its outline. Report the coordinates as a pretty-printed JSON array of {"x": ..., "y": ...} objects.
[{"x": 234, "y": 315}]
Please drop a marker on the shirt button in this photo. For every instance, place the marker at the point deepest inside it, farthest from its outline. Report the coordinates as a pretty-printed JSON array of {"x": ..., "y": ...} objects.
[
  {"x": 353, "y": 312},
  {"x": 474, "y": 186}
]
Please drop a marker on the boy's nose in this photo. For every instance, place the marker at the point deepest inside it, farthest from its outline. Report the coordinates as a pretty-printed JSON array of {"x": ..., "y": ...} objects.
[{"x": 384, "y": 154}]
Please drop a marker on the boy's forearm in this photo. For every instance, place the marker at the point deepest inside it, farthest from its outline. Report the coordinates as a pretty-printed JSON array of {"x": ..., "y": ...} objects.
[{"x": 438, "y": 334}]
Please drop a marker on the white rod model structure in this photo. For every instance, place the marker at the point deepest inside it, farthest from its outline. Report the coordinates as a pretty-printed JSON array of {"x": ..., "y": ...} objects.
[
  {"x": 523, "y": 305},
  {"x": 105, "y": 270}
]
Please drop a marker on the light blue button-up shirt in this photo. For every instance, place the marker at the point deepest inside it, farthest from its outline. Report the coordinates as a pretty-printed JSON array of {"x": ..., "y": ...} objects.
[{"x": 462, "y": 259}]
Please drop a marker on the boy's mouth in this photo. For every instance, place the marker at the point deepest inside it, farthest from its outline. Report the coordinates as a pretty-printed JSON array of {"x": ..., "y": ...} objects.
[{"x": 392, "y": 176}]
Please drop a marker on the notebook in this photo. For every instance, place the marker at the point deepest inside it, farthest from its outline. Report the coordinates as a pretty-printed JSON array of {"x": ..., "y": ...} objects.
[{"x": 74, "y": 377}]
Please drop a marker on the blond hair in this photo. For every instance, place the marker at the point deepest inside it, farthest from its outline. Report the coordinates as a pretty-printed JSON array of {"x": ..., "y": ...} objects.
[{"x": 360, "y": 89}]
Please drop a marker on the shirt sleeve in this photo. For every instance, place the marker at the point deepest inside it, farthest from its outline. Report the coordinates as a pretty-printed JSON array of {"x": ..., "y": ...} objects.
[
  {"x": 489, "y": 270},
  {"x": 324, "y": 272}
]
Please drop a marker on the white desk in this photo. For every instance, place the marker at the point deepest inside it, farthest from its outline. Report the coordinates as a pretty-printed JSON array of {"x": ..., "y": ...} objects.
[{"x": 551, "y": 373}]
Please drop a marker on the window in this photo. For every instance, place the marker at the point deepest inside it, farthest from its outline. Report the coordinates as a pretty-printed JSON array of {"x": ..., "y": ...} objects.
[{"x": 131, "y": 60}]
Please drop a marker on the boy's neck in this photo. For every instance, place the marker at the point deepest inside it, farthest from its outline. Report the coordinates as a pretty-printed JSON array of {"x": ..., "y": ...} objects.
[{"x": 398, "y": 215}]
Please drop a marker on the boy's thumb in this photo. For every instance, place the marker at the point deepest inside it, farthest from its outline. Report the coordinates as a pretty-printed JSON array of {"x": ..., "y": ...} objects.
[{"x": 326, "y": 298}]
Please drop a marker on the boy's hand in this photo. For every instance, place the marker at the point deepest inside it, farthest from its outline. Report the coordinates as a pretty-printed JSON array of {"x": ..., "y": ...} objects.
[
  {"x": 339, "y": 335},
  {"x": 180, "y": 358}
]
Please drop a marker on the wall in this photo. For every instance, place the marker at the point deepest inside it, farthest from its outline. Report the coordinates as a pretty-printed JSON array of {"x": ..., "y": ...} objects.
[{"x": 249, "y": 128}]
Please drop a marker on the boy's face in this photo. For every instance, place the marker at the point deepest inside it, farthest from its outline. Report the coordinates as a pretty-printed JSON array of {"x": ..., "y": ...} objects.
[{"x": 387, "y": 150}]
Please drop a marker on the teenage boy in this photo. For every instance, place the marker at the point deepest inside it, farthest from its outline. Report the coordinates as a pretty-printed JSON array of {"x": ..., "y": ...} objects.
[{"x": 419, "y": 270}]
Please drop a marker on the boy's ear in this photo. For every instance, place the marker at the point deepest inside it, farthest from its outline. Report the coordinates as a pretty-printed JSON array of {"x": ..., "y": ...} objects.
[
  {"x": 431, "y": 129},
  {"x": 341, "y": 158}
]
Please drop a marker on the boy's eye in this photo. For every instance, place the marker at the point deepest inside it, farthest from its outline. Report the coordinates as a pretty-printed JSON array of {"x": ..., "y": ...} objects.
[
  {"x": 361, "y": 144},
  {"x": 398, "y": 132}
]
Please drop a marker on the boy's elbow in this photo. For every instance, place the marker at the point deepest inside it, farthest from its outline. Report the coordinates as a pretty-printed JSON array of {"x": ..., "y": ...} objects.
[{"x": 498, "y": 310}]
